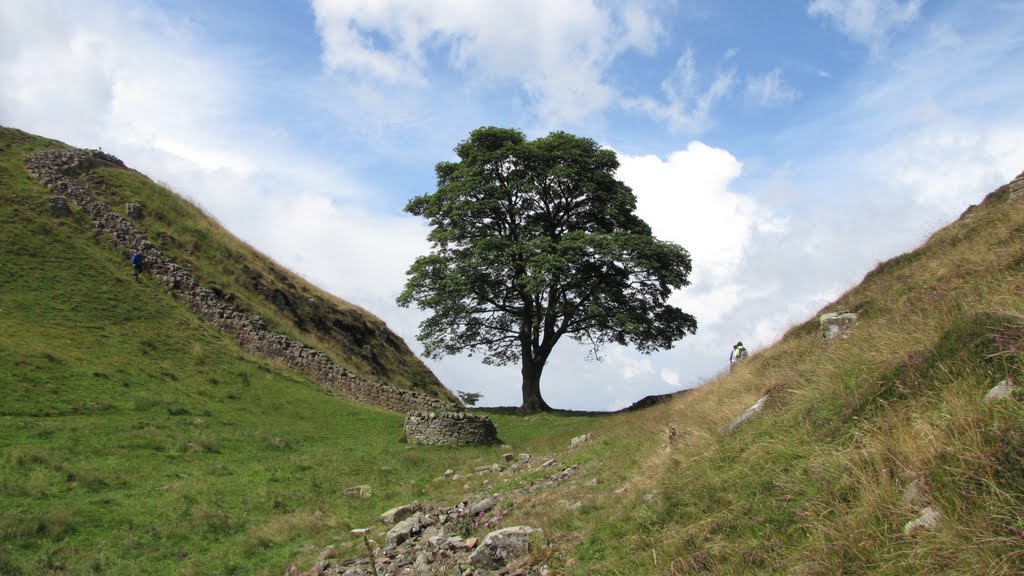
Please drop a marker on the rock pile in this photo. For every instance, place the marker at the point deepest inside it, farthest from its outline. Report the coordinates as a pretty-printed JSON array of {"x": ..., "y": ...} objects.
[
  {"x": 427, "y": 540},
  {"x": 57, "y": 168},
  {"x": 449, "y": 429}
]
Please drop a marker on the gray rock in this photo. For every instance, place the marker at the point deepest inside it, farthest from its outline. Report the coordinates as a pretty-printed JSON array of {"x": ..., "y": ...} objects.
[
  {"x": 501, "y": 547},
  {"x": 1002, "y": 391},
  {"x": 747, "y": 415},
  {"x": 404, "y": 530},
  {"x": 928, "y": 519},
  {"x": 836, "y": 324},
  {"x": 133, "y": 210},
  {"x": 399, "y": 513},
  {"x": 59, "y": 206},
  {"x": 482, "y": 506},
  {"x": 579, "y": 441},
  {"x": 361, "y": 491}
]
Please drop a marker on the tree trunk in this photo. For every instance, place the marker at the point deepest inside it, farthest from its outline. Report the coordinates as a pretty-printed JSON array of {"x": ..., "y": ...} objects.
[{"x": 532, "y": 400}]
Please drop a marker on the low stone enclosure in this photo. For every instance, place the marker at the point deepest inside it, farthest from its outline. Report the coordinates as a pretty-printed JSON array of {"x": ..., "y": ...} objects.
[
  {"x": 449, "y": 429},
  {"x": 57, "y": 168}
]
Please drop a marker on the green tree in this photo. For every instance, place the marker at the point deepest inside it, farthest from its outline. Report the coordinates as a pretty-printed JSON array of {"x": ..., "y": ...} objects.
[{"x": 533, "y": 240}]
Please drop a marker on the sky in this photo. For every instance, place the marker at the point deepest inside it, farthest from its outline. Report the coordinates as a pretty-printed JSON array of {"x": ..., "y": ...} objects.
[{"x": 789, "y": 146}]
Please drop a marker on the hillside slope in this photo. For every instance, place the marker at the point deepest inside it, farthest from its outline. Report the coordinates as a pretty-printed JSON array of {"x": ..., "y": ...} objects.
[
  {"x": 250, "y": 281},
  {"x": 136, "y": 439},
  {"x": 859, "y": 437}
]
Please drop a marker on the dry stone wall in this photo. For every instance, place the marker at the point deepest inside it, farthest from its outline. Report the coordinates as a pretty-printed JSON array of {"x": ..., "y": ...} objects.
[
  {"x": 449, "y": 429},
  {"x": 56, "y": 169}
]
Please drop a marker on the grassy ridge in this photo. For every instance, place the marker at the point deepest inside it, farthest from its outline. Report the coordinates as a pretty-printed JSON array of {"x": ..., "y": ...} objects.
[
  {"x": 134, "y": 439},
  {"x": 818, "y": 484},
  {"x": 350, "y": 335}
]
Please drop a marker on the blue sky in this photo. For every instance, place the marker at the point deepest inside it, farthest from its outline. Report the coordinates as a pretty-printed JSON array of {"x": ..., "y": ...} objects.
[{"x": 790, "y": 146}]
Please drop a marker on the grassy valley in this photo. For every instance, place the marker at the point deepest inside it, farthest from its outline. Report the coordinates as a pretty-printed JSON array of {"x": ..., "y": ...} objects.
[{"x": 136, "y": 439}]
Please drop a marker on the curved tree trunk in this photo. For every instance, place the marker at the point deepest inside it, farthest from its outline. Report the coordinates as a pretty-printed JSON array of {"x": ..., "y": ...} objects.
[{"x": 532, "y": 400}]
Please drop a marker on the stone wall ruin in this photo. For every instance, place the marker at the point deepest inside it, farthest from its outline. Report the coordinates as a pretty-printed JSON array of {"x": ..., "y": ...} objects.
[
  {"x": 449, "y": 429},
  {"x": 56, "y": 169}
]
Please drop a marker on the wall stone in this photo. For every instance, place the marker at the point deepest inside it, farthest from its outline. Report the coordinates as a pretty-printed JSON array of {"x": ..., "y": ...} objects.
[
  {"x": 449, "y": 429},
  {"x": 56, "y": 169}
]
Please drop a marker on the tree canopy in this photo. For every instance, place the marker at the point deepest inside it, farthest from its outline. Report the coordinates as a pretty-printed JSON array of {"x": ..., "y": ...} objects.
[{"x": 533, "y": 240}]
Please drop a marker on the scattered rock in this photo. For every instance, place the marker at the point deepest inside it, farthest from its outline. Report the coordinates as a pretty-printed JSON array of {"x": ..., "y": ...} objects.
[
  {"x": 59, "y": 206},
  {"x": 579, "y": 441},
  {"x": 328, "y": 553},
  {"x": 399, "y": 513},
  {"x": 836, "y": 324},
  {"x": 404, "y": 530},
  {"x": 133, "y": 210},
  {"x": 503, "y": 546},
  {"x": 1002, "y": 391},
  {"x": 928, "y": 519},
  {"x": 482, "y": 506},
  {"x": 747, "y": 415},
  {"x": 361, "y": 491}
]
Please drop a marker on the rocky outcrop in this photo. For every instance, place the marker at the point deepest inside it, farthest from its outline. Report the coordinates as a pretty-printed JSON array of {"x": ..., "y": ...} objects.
[
  {"x": 836, "y": 324},
  {"x": 449, "y": 429},
  {"x": 57, "y": 168}
]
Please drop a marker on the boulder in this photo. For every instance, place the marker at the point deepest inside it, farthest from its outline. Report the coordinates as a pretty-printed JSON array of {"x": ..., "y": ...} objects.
[
  {"x": 503, "y": 546},
  {"x": 404, "y": 530},
  {"x": 399, "y": 513},
  {"x": 482, "y": 506},
  {"x": 836, "y": 324}
]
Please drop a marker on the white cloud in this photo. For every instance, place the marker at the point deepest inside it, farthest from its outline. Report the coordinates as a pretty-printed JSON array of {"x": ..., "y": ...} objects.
[
  {"x": 686, "y": 199},
  {"x": 770, "y": 89},
  {"x": 556, "y": 52},
  {"x": 686, "y": 104},
  {"x": 869, "y": 22}
]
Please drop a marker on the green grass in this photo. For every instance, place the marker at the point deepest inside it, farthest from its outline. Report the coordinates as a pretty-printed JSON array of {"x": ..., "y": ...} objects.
[
  {"x": 135, "y": 439},
  {"x": 350, "y": 335}
]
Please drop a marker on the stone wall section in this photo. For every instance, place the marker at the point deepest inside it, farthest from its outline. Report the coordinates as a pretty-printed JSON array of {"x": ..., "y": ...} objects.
[
  {"x": 449, "y": 429},
  {"x": 57, "y": 168}
]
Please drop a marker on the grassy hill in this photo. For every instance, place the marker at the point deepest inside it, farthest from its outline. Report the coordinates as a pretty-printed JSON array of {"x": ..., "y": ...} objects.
[
  {"x": 858, "y": 436},
  {"x": 134, "y": 439}
]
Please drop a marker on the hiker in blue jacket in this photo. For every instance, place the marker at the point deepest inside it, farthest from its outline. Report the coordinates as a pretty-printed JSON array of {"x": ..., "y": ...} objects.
[{"x": 137, "y": 263}]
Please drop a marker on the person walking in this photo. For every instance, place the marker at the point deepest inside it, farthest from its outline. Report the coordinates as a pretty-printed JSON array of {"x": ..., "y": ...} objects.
[
  {"x": 739, "y": 352},
  {"x": 137, "y": 264}
]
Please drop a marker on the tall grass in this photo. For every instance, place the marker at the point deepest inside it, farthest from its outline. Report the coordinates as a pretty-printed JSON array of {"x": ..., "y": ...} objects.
[{"x": 819, "y": 483}]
